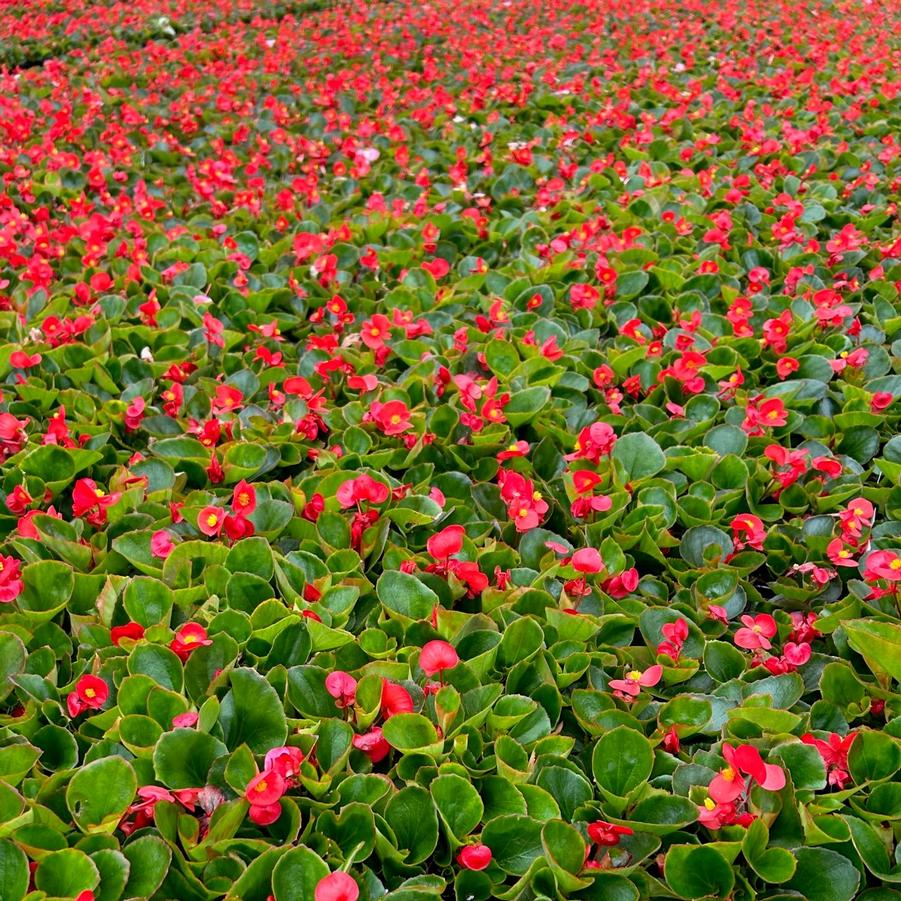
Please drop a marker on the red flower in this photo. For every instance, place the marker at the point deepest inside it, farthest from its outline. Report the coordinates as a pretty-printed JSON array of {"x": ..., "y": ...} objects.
[
  {"x": 12, "y": 435},
  {"x": 188, "y": 638},
  {"x": 244, "y": 498},
  {"x": 88, "y": 499},
  {"x": 336, "y": 887},
  {"x": 437, "y": 268},
  {"x": 90, "y": 693},
  {"x": 594, "y": 442},
  {"x": 18, "y": 500},
  {"x": 437, "y": 656},
  {"x": 265, "y": 789},
  {"x": 395, "y": 699},
  {"x": 728, "y": 785},
  {"x": 132, "y": 631},
  {"x": 375, "y": 330},
  {"x": 607, "y": 834},
  {"x": 474, "y": 857},
  {"x": 372, "y": 744},
  {"x": 447, "y": 542},
  {"x": 748, "y": 531}
]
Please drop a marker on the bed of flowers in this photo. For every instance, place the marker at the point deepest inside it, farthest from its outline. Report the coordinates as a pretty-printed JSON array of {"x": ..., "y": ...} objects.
[{"x": 449, "y": 450}]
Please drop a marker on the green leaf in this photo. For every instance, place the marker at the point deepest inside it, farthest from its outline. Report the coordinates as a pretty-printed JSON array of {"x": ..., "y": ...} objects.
[
  {"x": 824, "y": 875},
  {"x": 411, "y": 732},
  {"x": 297, "y": 874},
  {"x": 149, "y": 857},
  {"x": 515, "y": 842},
  {"x": 411, "y": 815},
  {"x": 66, "y": 873},
  {"x": 563, "y": 845},
  {"x": 722, "y": 661},
  {"x": 148, "y": 601},
  {"x": 622, "y": 760},
  {"x": 182, "y": 758},
  {"x": 873, "y": 756},
  {"x": 458, "y": 803},
  {"x": 878, "y": 643},
  {"x": 705, "y": 546},
  {"x": 771, "y": 865},
  {"x": 99, "y": 794},
  {"x": 639, "y": 455},
  {"x": 405, "y": 596},
  {"x": 698, "y": 871},
  {"x": 13, "y": 872},
  {"x": 252, "y": 713}
]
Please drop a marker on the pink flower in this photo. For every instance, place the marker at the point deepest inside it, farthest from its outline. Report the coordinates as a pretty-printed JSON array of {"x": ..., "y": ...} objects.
[
  {"x": 210, "y": 520},
  {"x": 161, "y": 544},
  {"x": 587, "y": 560},
  {"x": 11, "y": 583},
  {"x": 437, "y": 656},
  {"x": 635, "y": 680},
  {"x": 187, "y": 720},
  {"x": 756, "y": 633},
  {"x": 835, "y": 755},
  {"x": 362, "y": 488},
  {"x": 342, "y": 687},
  {"x": 839, "y": 554},
  {"x": 284, "y": 761},
  {"x": 337, "y": 887},
  {"x": 883, "y": 565},
  {"x": 728, "y": 784}
]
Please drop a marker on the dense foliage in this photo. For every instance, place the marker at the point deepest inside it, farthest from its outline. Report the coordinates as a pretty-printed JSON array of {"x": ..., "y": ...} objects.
[{"x": 449, "y": 450}]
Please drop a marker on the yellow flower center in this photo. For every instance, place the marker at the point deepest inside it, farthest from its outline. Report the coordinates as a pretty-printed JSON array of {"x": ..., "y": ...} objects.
[
  {"x": 728, "y": 774},
  {"x": 99, "y": 492},
  {"x": 634, "y": 675},
  {"x": 243, "y": 498},
  {"x": 895, "y": 564},
  {"x": 261, "y": 786},
  {"x": 395, "y": 419},
  {"x": 89, "y": 693},
  {"x": 212, "y": 519},
  {"x": 710, "y": 804}
]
